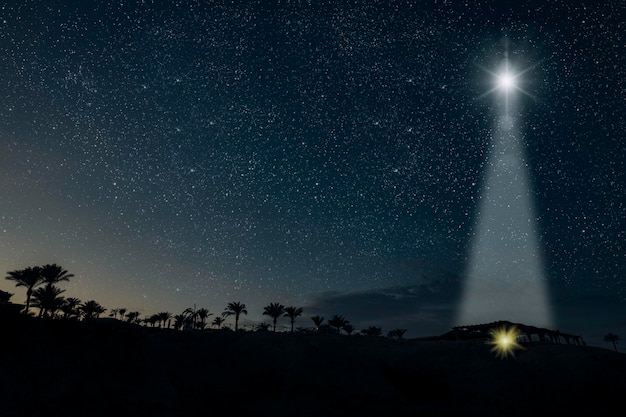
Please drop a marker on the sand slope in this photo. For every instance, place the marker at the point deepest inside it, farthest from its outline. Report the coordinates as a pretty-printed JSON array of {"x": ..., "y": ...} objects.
[{"x": 111, "y": 369}]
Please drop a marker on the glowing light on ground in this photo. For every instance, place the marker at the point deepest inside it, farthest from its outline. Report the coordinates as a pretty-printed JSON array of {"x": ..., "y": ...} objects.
[
  {"x": 504, "y": 341},
  {"x": 504, "y": 277}
]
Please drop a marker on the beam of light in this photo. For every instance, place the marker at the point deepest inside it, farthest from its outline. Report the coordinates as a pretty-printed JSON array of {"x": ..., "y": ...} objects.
[
  {"x": 504, "y": 277},
  {"x": 504, "y": 341}
]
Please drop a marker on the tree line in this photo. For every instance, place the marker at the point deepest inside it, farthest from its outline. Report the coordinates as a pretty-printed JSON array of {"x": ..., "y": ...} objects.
[{"x": 44, "y": 293}]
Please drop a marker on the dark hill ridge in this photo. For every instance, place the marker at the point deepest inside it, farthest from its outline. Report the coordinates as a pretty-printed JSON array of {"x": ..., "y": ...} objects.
[{"x": 108, "y": 368}]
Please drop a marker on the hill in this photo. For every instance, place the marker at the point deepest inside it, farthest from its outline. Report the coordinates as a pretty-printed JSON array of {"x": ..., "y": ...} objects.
[{"x": 109, "y": 368}]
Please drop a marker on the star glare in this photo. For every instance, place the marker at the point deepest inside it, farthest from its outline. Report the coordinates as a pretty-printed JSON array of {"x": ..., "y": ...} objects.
[
  {"x": 506, "y": 81},
  {"x": 504, "y": 341}
]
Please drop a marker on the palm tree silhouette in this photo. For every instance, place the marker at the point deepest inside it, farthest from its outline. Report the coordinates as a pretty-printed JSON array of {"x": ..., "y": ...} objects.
[
  {"x": 348, "y": 328},
  {"x": 218, "y": 321},
  {"x": 202, "y": 314},
  {"x": 5, "y": 297},
  {"x": 91, "y": 309},
  {"x": 179, "y": 320},
  {"x": 292, "y": 313},
  {"x": 53, "y": 274},
  {"x": 132, "y": 317},
  {"x": 70, "y": 307},
  {"x": 613, "y": 338},
  {"x": 235, "y": 308},
  {"x": 29, "y": 278},
  {"x": 274, "y": 310},
  {"x": 191, "y": 317},
  {"x": 48, "y": 299},
  {"x": 317, "y": 320},
  {"x": 338, "y": 322},
  {"x": 396, "y": 333},
  {"x": 163, "y": 318},
  {"x": 263, "y": 327},
  {"x": 372, "y": 331},
  {"x": 152, "y": 320}
]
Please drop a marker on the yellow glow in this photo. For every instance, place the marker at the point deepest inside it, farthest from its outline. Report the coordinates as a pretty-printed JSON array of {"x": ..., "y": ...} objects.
[{"x": 504, "y": 341}]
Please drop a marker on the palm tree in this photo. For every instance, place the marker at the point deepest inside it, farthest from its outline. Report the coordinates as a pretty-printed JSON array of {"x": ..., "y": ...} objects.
[
  {"x": 348, "y": 328},
  {"x": 132, "y": 317},
  {"x": 5, "y": 297},
  {"x": 372, "y": 331},
  {"x": 163, "y": 318},
  {"x": 179, "y": 320},
  {"x": 338, "y": 322},
  {"x": 48, "y": 299},
  {"x": 613, "y": 338},
  {"x": 113, "y": 312},
  {"x": 70, "y": 307},
  {"x": 53, "y": 274},
  {"x": 189, "y": 320},
  {"x": 29, "y": 278},
  {"x": 292, "y": 313},
  {"x": 202, "y": 314},
  {"x": 317, "y": 320},
  {"x": 396, "y": 333},
  {"x": 235, "y": 308},
  {"x": 122, "y": 312},
  {"x": 91, "y": 309},
  {"x": 218, "y": 321},
  {"x": 153, "y": 320},
  {"x": 263, "y": 327},
  {"x": 191, "y": 316},
  {"x": 274, "y": 310}
]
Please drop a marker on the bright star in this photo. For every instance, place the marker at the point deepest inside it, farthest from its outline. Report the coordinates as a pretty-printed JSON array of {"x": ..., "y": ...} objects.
[
  {"x": 504, "y": 341},
  {"x": 506, "y": 81}
]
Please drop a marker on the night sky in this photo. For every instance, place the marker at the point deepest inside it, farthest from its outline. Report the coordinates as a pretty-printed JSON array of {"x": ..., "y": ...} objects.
[{"x": 323, "y": 154}]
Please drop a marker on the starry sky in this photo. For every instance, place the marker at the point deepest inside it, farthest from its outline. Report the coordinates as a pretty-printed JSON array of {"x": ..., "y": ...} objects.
[{"x": 323, "y": 154}]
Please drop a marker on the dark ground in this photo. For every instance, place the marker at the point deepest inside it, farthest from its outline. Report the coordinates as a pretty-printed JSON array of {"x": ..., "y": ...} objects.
[{"x": 108, "y": 368}]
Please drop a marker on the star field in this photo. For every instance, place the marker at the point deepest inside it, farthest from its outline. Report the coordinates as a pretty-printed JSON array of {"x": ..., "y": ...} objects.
[{"x": 206, "y": 152}]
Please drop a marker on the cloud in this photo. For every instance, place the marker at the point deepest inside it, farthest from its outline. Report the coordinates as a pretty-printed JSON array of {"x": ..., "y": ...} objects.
[
  {"x": 428, "y": 308},
  {"x": 417, "y": 308}
]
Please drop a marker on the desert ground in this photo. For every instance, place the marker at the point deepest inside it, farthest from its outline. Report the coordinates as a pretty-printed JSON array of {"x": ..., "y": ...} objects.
[{"x": 110, "y": 368}]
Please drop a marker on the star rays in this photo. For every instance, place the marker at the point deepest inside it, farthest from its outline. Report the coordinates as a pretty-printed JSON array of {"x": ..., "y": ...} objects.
[
  {"x": 507, "y": 80},
  {"x": 504, "y": 341}
]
